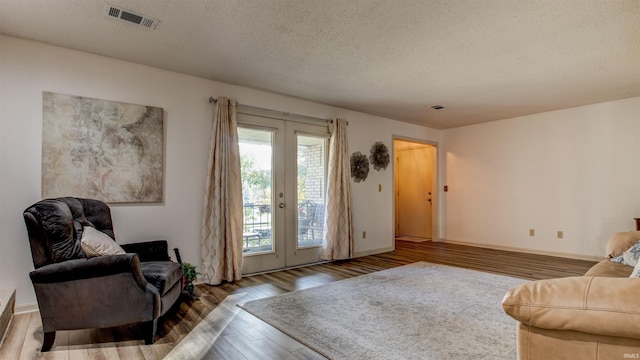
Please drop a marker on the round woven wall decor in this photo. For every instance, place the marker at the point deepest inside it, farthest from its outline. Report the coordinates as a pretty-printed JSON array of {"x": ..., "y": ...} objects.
[
  {"x": 379, "y": 157},
  {"x": 359, "y": 166}
]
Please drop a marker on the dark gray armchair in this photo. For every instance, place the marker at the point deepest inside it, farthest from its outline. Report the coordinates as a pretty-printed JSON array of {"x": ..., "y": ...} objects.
[{"x": 76, "y": 292}]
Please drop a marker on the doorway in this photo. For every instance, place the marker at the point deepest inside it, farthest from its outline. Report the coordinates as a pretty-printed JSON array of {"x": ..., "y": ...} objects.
[
  {"x": 415, "y": 195},
  {"x": 283, "y": 171}
]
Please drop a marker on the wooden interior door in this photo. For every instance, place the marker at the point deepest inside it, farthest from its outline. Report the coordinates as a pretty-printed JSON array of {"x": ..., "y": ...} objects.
[{"x": 414, "y": 191}]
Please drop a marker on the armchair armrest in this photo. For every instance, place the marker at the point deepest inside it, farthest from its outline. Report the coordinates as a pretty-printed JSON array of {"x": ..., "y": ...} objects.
[
  {"x": 595, "y": 305},
  {"x": 98, "y": 266},
  {"x": 157, "y": 250}
]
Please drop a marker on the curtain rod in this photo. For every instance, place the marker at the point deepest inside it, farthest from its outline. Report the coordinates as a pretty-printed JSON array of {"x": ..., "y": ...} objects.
[{"x": 213, "y": 100}]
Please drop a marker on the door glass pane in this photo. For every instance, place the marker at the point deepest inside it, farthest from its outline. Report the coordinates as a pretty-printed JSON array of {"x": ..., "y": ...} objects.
[
  {"x": 311, "y": 162},
  {"x": 257, "y": 183}
]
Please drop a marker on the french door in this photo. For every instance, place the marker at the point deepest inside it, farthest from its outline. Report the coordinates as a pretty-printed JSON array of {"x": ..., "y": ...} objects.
[{"x": 283, "y": 166}]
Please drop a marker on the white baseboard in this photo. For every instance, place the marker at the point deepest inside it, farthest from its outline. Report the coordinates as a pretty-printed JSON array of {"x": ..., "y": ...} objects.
[
  {"x": 26, "y": 308},
  {"x": 374, "y": 251},
  {"x": 522, "y": 250}
]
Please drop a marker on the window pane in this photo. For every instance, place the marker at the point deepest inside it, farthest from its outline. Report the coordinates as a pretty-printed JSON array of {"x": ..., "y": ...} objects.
[
  {"x": 311, "y": 161},
  {"x": 257, "y": 184}
]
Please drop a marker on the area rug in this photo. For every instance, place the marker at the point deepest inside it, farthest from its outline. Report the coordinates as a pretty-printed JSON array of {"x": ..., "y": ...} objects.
[{"x": 416, "y": 311}]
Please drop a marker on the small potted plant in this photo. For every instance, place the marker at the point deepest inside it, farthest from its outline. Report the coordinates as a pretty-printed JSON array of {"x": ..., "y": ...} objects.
[{"x": 189, "y": 274}]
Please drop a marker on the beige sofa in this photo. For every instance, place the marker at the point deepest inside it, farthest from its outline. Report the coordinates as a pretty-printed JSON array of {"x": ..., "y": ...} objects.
[{"x": 595, "y": 316}]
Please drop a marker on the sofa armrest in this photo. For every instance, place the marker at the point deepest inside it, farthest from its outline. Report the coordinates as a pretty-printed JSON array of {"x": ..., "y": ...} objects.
[
  {"x": 595, "y": 305},
  {"x": 157, "y": 250},
  {"x": 98, "y": 266}
]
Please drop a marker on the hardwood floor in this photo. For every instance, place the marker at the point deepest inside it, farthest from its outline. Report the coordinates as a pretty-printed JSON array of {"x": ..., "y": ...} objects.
[{"x": 227, "y": 332}]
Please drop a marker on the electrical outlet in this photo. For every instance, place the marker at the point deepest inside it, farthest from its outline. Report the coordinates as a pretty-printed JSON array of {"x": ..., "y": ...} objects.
[
  {"x": 364, "y": 234},
  {"x": 532, "y": 232},
  {"x": 560, "y": 234}
]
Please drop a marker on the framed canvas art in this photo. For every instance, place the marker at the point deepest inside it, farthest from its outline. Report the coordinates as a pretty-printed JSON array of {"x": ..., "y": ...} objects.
[{"x": 100, "y": 149}]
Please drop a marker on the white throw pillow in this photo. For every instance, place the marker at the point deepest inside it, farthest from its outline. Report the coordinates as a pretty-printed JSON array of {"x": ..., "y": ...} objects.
[
  {"x": 631, "y": 255},
  {"x": 636, "y": 271},
  {"x": 97, "y": 243}
]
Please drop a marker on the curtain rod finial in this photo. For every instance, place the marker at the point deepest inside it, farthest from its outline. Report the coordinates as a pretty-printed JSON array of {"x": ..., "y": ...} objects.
[
  {"x": 212, "y": 100},
  {"x": 346, "y": 122}
]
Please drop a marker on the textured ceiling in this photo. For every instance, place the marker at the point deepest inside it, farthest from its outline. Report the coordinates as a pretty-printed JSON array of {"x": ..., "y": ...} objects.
[{"x": 482, "y": 60}]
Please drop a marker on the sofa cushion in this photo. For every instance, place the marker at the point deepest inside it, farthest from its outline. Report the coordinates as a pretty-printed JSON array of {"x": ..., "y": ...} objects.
[
  {"x": 595, "y": 305},
  {"x": 606, "y": 268},
  {"x": 162, "y": 274},
  {"x": 620, "y": 242},
  {"x": 97, "y": 243}
]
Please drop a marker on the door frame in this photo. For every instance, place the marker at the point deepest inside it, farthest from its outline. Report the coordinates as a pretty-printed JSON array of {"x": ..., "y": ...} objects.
[
  {"x": 274, "y": 259},
  {"x": 286, "y": 254},
  {"x": 435, "y": 213},
  {"x": 294, "y": 254}
]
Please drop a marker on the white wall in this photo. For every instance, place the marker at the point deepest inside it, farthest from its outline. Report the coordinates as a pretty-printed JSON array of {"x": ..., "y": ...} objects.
[
  {"x": 575, "y": 170},
  {"x": 28, "y": 68}
]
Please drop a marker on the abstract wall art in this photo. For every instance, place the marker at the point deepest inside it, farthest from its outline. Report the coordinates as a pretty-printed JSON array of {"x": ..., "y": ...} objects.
[{"x": 101, "y": 149}]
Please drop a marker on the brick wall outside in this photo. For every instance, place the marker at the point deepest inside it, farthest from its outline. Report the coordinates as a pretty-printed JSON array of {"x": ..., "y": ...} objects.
[{"x": 315, "y": 173}]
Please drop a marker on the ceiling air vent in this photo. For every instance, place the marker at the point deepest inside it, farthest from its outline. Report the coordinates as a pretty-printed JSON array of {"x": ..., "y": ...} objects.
[{"x": 131, "y": 17}]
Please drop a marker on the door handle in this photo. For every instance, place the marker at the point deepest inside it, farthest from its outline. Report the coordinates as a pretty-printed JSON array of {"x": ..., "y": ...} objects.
[{"x": 281, "y": 205}]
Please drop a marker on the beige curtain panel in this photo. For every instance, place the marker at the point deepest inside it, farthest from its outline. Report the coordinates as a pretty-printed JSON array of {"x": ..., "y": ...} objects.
[
  {"x": 337, "y": 241},
  {"x": 222, "y": 219}
]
